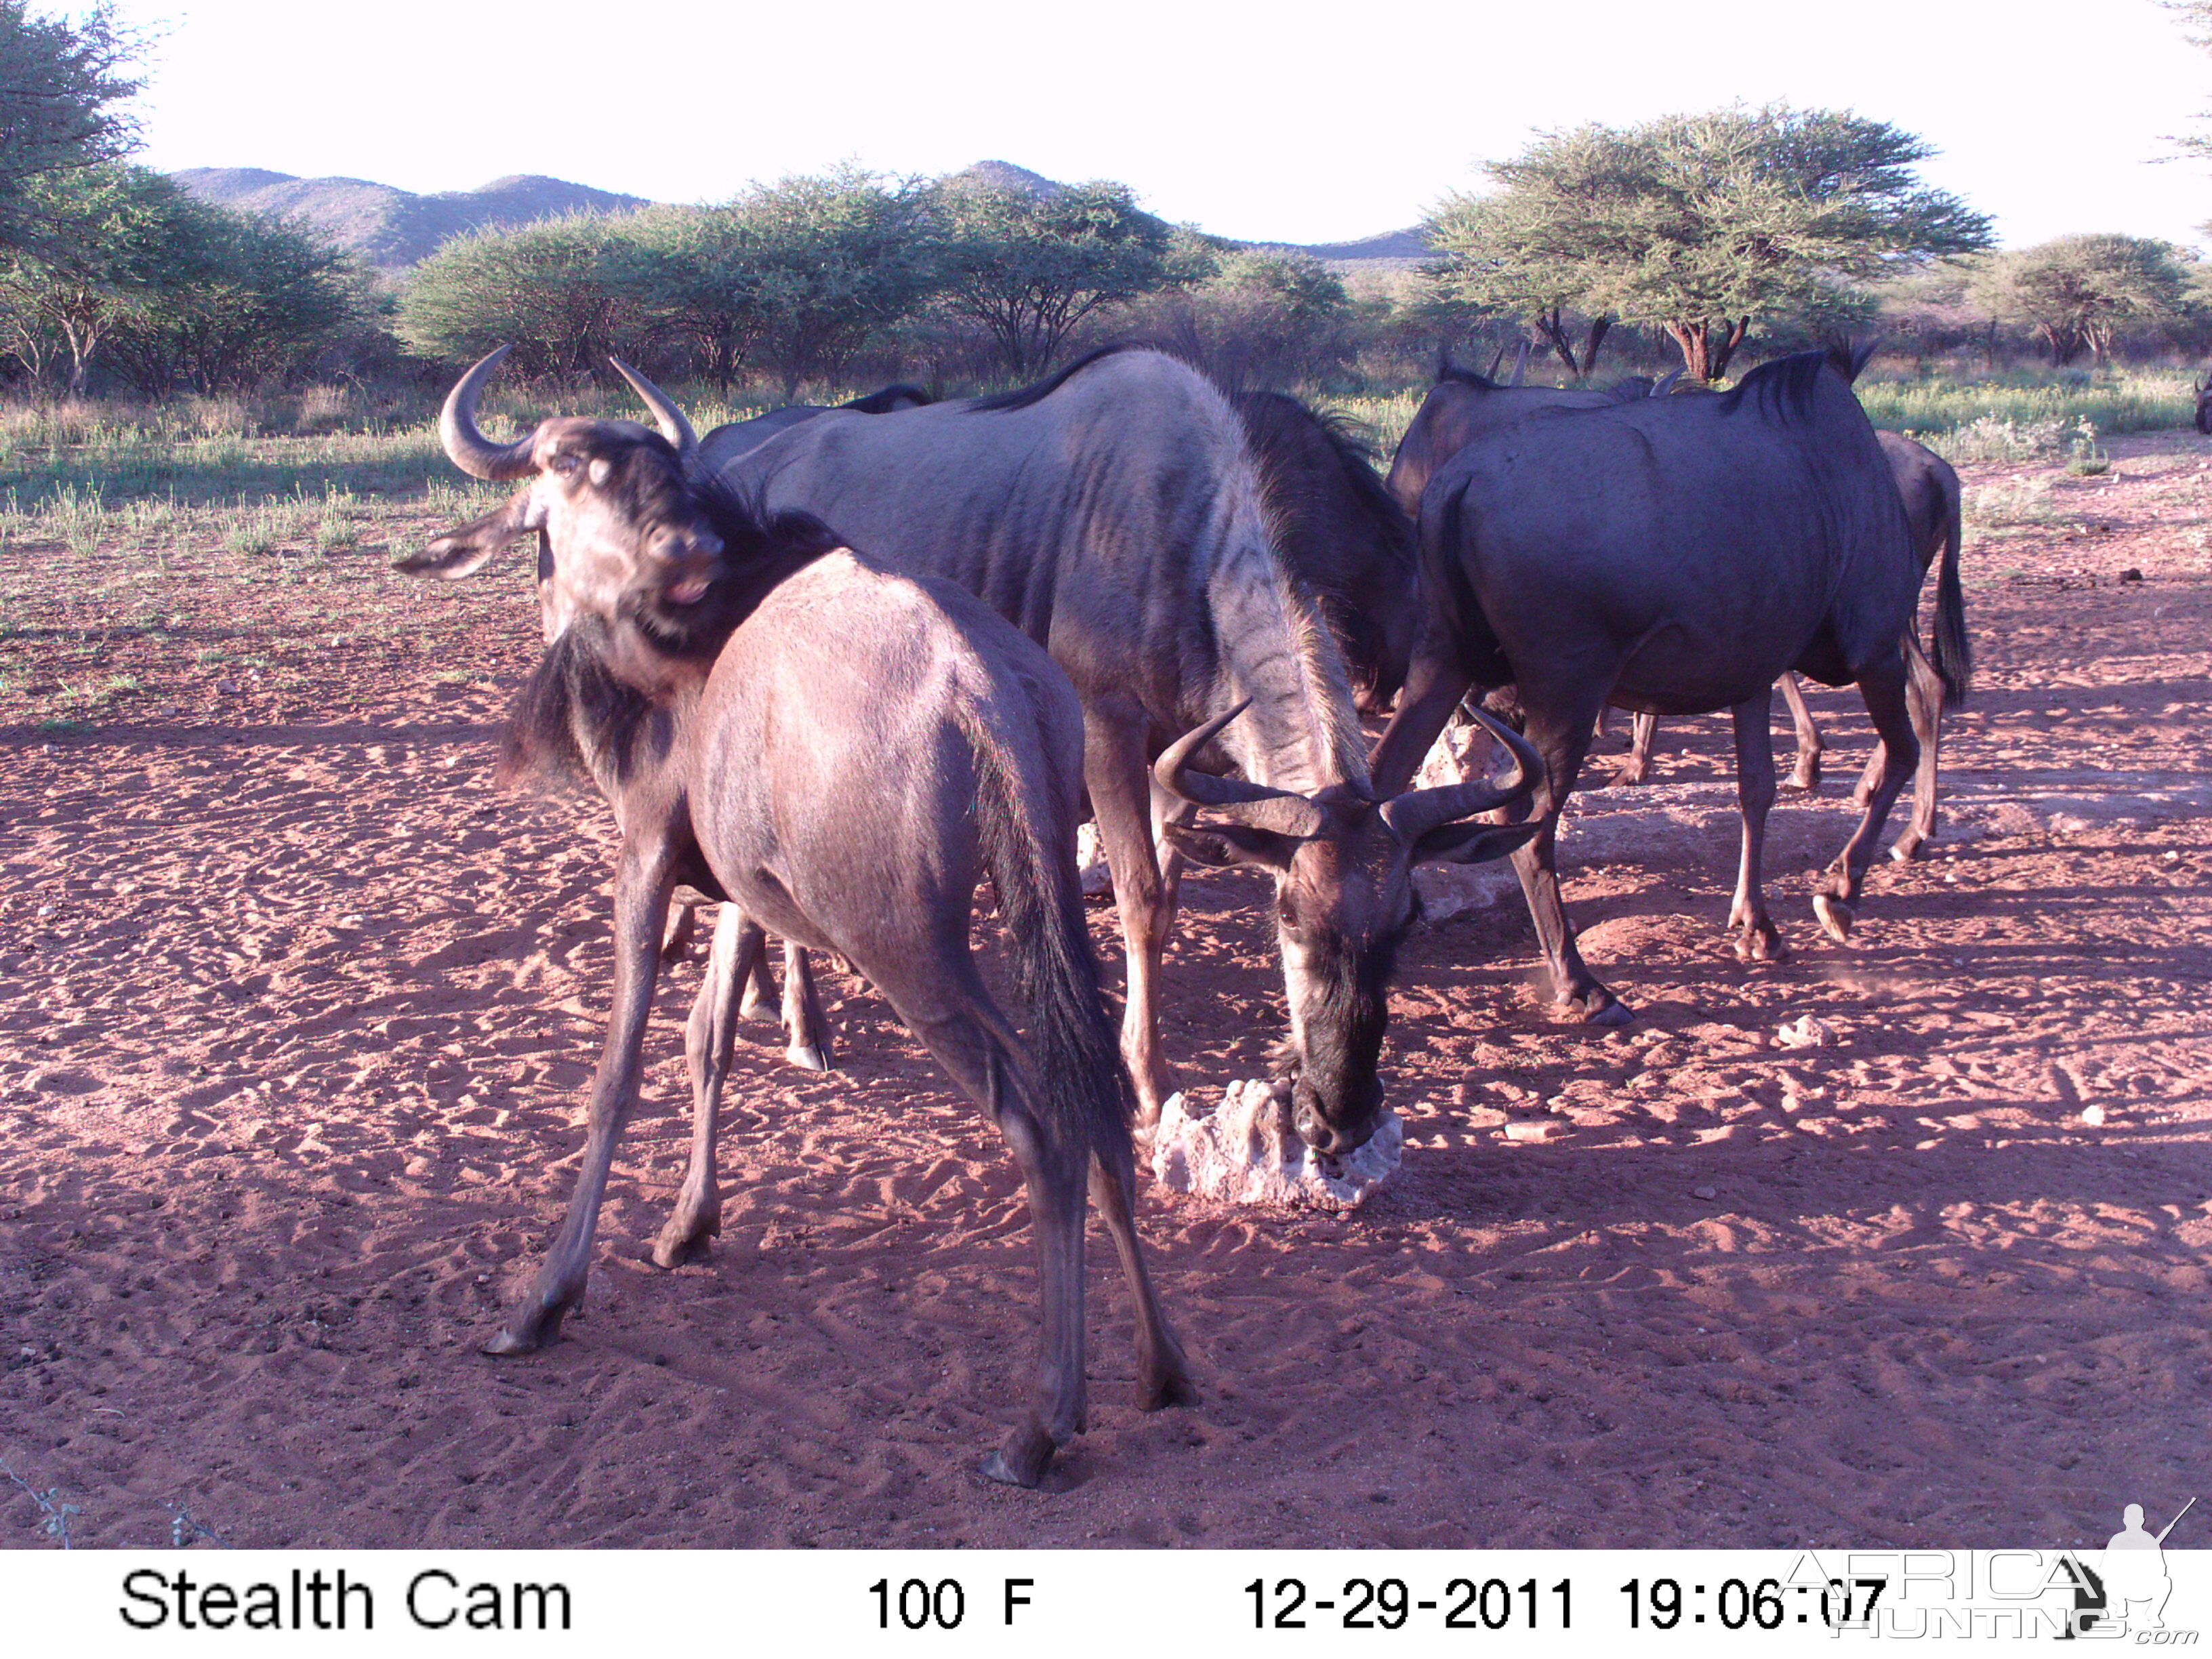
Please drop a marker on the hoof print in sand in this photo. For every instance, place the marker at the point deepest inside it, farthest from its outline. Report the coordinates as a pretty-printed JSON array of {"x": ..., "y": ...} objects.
[{"x": 1245, "y": 1151}]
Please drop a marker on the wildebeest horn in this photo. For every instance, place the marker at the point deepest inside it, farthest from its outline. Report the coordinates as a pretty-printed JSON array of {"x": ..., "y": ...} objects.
[
  {"x": 1255, "y": 804},
  {"x": 1521, "y": 366},
  {"x": 1668, "y": 384},
  {"x": 1414, "y": 814},
  {"x": 673, "y": 426},
  {"x": 468, "y": 448},
  {"x": 1494, "y": 363}
]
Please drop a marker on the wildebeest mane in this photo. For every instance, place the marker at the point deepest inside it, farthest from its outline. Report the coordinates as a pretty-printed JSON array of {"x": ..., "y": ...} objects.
[
  {"x": 1023, "y": 397},
  {"x": 1782, "y": 389},
  {"x": 572, "y": 722},
  {"x": 889, "y": 400}
]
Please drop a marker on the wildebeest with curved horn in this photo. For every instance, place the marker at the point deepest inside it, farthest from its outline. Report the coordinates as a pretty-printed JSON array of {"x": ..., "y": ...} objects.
[
  {"x": 841, "y": 752},
  {"x": 1115, "y": 515},
  {"x": 1673, "y": 555},
  {"x": 1930, "y": 489}
]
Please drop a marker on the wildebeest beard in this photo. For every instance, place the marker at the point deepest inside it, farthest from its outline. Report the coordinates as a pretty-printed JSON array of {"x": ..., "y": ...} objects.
[{"x": 1345, "y": 1018}]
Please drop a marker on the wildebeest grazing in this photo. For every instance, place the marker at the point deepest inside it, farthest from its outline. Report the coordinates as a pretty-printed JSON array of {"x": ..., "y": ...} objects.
[
  {"x": 1674, "y": 556},
  {"x": 1930, "y": 492},
  {"x": 841, "y": 752},
  {"x": 1114, "y": 513}
]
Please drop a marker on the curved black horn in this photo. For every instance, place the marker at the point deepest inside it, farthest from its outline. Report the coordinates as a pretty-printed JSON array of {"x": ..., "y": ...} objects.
[
  {"x": 1521, "y": 366},
  {"x": 1414, "y": 814},
  {"x": 468, "y": 448},
  {"x": 1662, "y": 388},
  {"x": 1255, "y": 804},
  {"x": 673, "y": 426}
]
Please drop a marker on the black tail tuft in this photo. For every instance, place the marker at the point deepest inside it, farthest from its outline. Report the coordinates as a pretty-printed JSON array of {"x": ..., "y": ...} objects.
[{"x": 1954, "y": 654}]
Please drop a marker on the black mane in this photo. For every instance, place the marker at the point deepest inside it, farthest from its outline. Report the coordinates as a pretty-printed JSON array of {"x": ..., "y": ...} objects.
[
  {"x": 1783, "y": 389},
  {"x": 576, "y": 719},
  {"x": 999, "y": 402},
  {"x": 889, "y": 400}
]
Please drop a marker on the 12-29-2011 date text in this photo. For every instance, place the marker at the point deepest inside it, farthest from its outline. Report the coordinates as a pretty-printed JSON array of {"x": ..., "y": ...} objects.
[{"x": 1465, "y": 1603}]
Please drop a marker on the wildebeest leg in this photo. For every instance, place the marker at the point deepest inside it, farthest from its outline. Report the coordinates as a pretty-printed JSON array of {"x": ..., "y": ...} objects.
[
  {"x": 1434, "y": 685},
  {"x": 1643, "y": 733},
  {"x": 683, "y": 925},
  {"x": 1561, "y": 736},
  {"x": 805, "y": 1031},
  {"x": 644, "y": 879},
  {"x": 1924, "y": 695},
  {"x": 708, "y": 1039},
  {"x": 1162, "y": 1374},
  {"x": 1883, "y": 687},
  {"x": 1807, "y": 775},
  {"x": 1754, "y": 787},
  {"x": 1119, "y": 781},
  {"x": 759, "y": 990},
  {"x": 946, "y": 1017},
  {"x": 1166, "y": 809}
]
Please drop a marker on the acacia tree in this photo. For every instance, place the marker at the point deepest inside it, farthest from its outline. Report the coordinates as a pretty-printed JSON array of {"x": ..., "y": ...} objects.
[
  {"x": 250, "y": 299},
  {"x": 552, "y": 290},
  {"x": 826, "y": 263},
  {"x": 1030, "y": 265},
  {"x": 696, "y": 272},
  {"x": 1704, "y": 224},
  {"x": 61, "y": 85},
  {"x": 118, "y": 238},
  {"x": 2078, "y": 291}
]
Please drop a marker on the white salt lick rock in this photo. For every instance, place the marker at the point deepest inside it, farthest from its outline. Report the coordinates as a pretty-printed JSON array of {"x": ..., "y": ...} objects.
[{"x": 1246, "y": 1151}]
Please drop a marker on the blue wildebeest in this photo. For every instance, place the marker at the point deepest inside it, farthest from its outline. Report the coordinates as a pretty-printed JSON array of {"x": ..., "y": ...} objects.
[
  {"x": 1114, "y": 513},
  {"x": 2204, "y": 406},
  {"x": 1931, "y": 495},
  {"x": 841, "y": 752},
  {"x": 1341, "y": 533},
  {"x": 806, "y": 1031},
  {"x": 1673, "y": 555}
]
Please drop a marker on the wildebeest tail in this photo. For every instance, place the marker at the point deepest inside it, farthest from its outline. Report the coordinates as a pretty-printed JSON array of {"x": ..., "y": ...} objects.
[
  {"x": 1075, "y": 1061},
  {"x": 1955, "y": 656},
  {"x": 1443, "y": 531}
]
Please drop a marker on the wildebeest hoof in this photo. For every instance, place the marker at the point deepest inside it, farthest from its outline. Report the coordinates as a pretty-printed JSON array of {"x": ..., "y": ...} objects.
[
  {"x": 1023, "y": 1459},
  {"x": 680, "y": 1243},
  {"x": 806, "y": 1057},
  {"x": 1836, "y": 917},
  {"x": 1761, "y": 945},
  {"x": 504, "y": 1344},
  {"x": 1175, "y": 1389},
  {"x": 1907, "y": 848},
  {"x": 1599, "y": 1006},
  {"x": 756, "y": 1006}
]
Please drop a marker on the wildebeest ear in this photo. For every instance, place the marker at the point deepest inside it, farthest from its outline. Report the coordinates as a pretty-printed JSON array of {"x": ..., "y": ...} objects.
[
  {"x": 1225, "y": 844},
  {"x": 1471, "y": 843},
  {"x": 462, "y": 552}
]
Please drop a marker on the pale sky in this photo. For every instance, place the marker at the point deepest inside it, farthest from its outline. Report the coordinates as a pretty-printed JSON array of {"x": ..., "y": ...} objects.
[{"x": 1281, "y": 122}]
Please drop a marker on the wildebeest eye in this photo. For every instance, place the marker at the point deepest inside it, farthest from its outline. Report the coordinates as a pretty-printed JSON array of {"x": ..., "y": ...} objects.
[{"x": 566, "y": 464}]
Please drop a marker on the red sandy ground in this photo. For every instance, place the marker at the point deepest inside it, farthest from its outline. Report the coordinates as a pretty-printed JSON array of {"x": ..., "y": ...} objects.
[{"x": 296, "y": 1014}]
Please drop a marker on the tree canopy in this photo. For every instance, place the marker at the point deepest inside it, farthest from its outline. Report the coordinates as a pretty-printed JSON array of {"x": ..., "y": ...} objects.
[
  {"x": 2078, "y": 291},
  {"x": 62, "y": 85},
  {"x": 1029, "y": 267},
  {"x": 1701, "y": 225}
]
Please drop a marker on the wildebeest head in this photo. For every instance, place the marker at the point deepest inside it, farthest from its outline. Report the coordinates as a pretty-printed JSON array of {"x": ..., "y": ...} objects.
[
  {"x": 1343, "y": 863},
  {"x": 622, "y": 530}
]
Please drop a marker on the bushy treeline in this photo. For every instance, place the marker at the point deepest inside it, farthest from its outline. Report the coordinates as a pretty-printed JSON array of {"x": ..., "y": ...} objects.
[{"x": 1703, "y": 241}]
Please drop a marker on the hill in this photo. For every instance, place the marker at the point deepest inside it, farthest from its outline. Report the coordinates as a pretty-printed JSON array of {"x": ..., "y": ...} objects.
[{"x": 392, "y": 228}]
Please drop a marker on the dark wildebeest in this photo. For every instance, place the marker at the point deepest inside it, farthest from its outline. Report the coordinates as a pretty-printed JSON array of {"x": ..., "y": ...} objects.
[
  {"x": 1463, "y": 405},
  {"x": 841, "y": 752},
  {"x": 1114, "y": 513},
  {"x": 2204, "y": 406},
  {"x": 1931, "y": 494},
  {"x": 806, "y": 1031},
  {"x": 1673, "y": 555},
  {"x": 1341, "y": 533}
]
